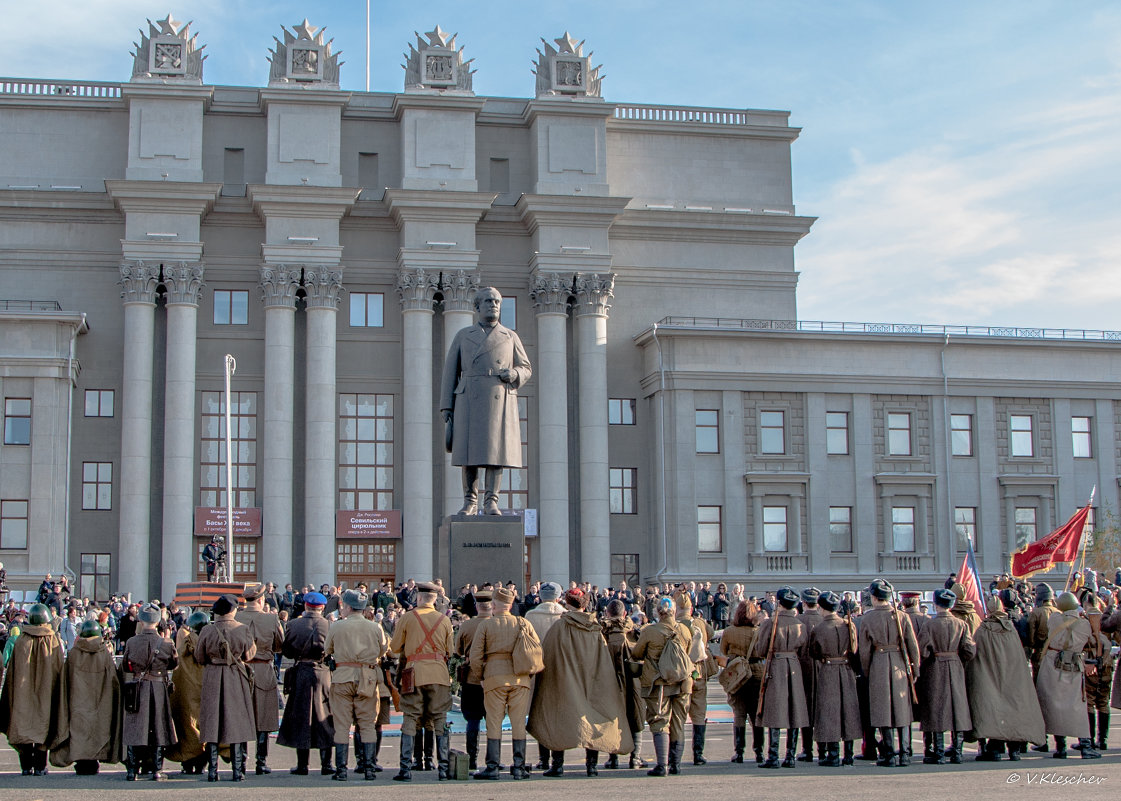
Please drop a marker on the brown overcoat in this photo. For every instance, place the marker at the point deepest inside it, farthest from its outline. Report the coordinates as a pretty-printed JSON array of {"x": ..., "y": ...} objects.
[
  {"x": 881, "y": 659},
  {"x": 1002, "y": 701},
  {"x": 268, "y": 635},
  {"x": 621, "y": 636},
  {"x": 1112, "y": 625},
  {"x": 945, "y": 646},
  {"x": 810, "y": 618},
  {"x": 836, "y": 704},
  {"x": 93, "y": 698},
  {"x": 1037, "y": 632},
  {"x": 1061, "y": 695},
  {"x": 186, "y": 698},
  {"x": 578, "y": 699},
  {"x": 784, "y": 692},
  {"x": 740, "y": 641},
  {"x": 32, "y": 703},
  {"x": 226, "y": 713},
  {"x": 150, "y": 658}
]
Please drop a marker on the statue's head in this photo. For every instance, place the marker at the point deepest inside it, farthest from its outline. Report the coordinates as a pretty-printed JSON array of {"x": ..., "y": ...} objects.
[{"x": 488, "y": 304}]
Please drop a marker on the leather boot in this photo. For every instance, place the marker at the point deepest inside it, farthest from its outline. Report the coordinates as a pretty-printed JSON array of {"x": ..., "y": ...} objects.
[
  {"x": 370, "y": 772},
  {"x": 491, "y": 484},
  {"x": 1093, "y": 718},
  {"x": 543, "y": 757},
  {"x": 1103, "y": 730},
  {"x": 928, "y": 748},
  {"x": 157, "y": 764},
  {"x": 832, "y": 756},
  {"x": 888, "y": 758},
  {"x": 807, "y": 745},
  {"x": 130, "y": 763},
  {"x": 405, "y": 773},
  {"x": 904, "y": 749},
  {"x": 557, "y": 766},
  {"x": 739, "y": 743},
  {"x": 1060, "y": 748},
  {"x": 359, "y": 753},
  {"x": 517, "y": 766},
  {"x": 959, "y": 746},
  {"x": 773, "y": 736},
  {"x": 212, "y": 762},
  {"x": 429, "y": 749},
  {"x": 661, "y": 745},
  {"x": 442, "y": 756},
  {"x": 302, "y": 756},
  {"x": 847, "y": 760},
  {"x": 86, "y": 767},
  {"x": 1014, "y": 751},
  {"x": 590, "y": 759},
  {"x": 470, "y": 491},
  {"x": 263, "y": 753},
  {"x": 473, "y": 750},
  {"x": 699, "y": 744},
  {"x": 1088, "y": 749},
  {"x": 991, "y": 751},
  {"x": 937, "y": 754},
  {"x": 325, "y": 767},
  {"x": 757, "y": 743},
  {"x": 636, "y": 760},
  {"x": 240, "y": 757},
  {"x": 418, "y": 750},
  {"x": 341, "y": 753},
  {"x": 494, "y": 752},
  {"x": 791, "y": 748},
  {"x": 907, "y": 742},
  {"x": 612, "y": 762},
  {"x": 377, "y": 750},
  {"x": 675, "y": 750}
]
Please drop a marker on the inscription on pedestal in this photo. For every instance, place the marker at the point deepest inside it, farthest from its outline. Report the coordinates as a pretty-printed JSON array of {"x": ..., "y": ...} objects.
[{"x": 484, "y": 548}]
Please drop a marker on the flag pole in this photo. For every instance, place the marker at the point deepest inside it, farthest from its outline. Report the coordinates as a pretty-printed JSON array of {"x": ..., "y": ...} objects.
[
  {"x": 367, "y": 45},
  {"x": 1082, "y": 544},
  {"x": 231, "y": 366}
]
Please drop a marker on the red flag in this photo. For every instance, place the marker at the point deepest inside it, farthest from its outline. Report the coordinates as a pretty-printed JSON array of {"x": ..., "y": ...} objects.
[
  {"x": 1061, "y": 545},
  {"x": 970, "y": 579}
]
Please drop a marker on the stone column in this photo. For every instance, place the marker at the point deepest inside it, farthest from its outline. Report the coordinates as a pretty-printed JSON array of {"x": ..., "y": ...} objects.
[
  {"x": 459, "y": 290},
  {"x": 417, "y": 288},
  {"x": 550, "y": 292},
  {"x": 593, "y": 296},
  {"x": 322, "y": 285},
  {"x": 182, "y": 280},
  {"x": 138, "y": 280},
  {"x": 278, "y": 290}
]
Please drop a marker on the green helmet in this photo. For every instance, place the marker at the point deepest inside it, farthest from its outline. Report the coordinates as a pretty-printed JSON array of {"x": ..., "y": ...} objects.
[
  {"x": 38, "y": 614},
  {"x": 1067, "y": 602},
  {"x": 90, "y": 628},
  {"x": 197, "y": 620}
]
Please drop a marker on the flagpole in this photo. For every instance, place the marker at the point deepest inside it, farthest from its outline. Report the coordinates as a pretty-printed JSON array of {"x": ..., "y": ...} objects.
[
  {"x": 1082, "y": 544},
  {"x": 367, "y": 45}
]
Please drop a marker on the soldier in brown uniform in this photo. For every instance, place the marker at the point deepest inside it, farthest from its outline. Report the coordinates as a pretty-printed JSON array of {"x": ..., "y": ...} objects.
[
  {"x": 738, "y": 640},
  {"x": 945, "y": 645},
  {"x": 621, "y": 635},
  {"x": 307, "y": 719},
  {"x": 268, "y": 635},
  {"x": 703, "y": 669},
  {"x": 784, "y": 692},
  {"x": 1037, "y": 632},
  {"x": 423, "y": 637},
  {"x": 503, "y": 690},
  {"x": 1060, "y": 683},
  {"x": 666, "y": 701},
  {"x": 882, "y": 656},
  {"x": 226, "y": 713},
  {"x": 31, "y": 702},
  {"x": 1099, "y": 680},
  {"x": 810, "y": 616},
  {"x": 836, "y": 713},
  {"x": 148, "y": 660},
  {"x": 471, "y": 695},
  {"x": 186, "y": 698}
]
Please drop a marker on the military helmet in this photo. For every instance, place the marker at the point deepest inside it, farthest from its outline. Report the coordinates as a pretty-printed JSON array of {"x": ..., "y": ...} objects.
[
  {"x": 1067, "y": 602},
  {"x": 197, "y": 620},
  {"x": 38, "y": 614},
  {"x": 89, "y": 628}
]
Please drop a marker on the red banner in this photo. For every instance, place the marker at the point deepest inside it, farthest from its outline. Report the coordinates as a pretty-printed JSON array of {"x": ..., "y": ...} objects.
[
  {"x": 1061, "y": 545},
  {"x": 377, "y": 523},
  {"x": 211, "y": 520}
]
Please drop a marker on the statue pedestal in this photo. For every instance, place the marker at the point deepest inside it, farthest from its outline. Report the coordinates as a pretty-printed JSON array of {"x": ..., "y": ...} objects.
[{"x": 483, "y": 548}]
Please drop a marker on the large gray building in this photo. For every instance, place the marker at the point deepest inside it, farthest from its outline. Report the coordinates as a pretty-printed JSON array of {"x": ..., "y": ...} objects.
[{"x": 680, "y": 423}]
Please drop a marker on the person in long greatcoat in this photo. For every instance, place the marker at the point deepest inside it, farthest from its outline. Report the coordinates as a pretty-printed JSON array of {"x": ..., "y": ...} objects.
[
  {"x": 578, "y": 699},
  {"x": 945, "y": 645},
  {"x": 1003, "y": 705},
  {"x": 307, "y": 721},
  {"x": 810, "y": 616},
  {"x": 268, "y": 635},
  {"x": 622, "y": 635},
  {"x": 784, "y": 692},
  {"x": 186, "y": 698},
  {"x": 1060, "y": 681},
  {"x": 832, "y": 647},
  {"x": 226, "y": 714},
  {"x": 93, "y": 701},
  {"x": 882, "y": 656},
  {"x": 1111, "y": 626},
  {"x": 738, "y": 641},
  {"x": 32, "y": 703},
  {"x": 148, "y": 660}
]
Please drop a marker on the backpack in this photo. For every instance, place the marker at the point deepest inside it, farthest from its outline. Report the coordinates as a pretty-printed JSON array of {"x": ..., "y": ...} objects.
[
  {"x": 674, "y": 665},
  {"x": 527, "y": 656}
]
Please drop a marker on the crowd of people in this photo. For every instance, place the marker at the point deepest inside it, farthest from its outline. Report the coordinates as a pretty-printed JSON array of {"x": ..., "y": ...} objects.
[{"x": 581, "y": 667}]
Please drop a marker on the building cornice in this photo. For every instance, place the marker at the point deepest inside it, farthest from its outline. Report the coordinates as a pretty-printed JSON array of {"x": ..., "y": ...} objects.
[
  {"x": 288, "y": 96},
  {"x": 569, "y": 210},
  {"x": 437, "y": 102},
  {"x": 310, "y": 202},
  {"x": 711, "y": 226},
  {"x": 429, "y": 205},
  {"x": 163, "y": 197}
]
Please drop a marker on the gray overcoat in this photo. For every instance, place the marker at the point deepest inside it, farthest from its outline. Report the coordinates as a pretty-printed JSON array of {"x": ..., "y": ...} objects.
[
  {"x": 881, "y": 658},
  {"x": 784, "y": 695},
  {"x": 1061, "y": 694},
  {"x": 226, "y": 714},
  {"x": 945, "y": 645},
  {"x": 836, "y": 704}
]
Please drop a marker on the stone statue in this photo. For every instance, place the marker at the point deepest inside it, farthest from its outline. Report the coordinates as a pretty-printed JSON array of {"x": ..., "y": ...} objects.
[{"x": 479, "y": 401}]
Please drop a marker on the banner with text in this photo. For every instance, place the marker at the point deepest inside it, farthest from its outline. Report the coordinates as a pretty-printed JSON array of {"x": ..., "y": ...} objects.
[
  {"x": 377, "y": 523},
  {"x": 211, "y": 520}
]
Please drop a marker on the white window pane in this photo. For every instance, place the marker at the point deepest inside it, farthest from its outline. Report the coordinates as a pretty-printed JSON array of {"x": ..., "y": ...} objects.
[
  {"x": 104, "y": 496},
  {"x": 357, "y": 309},
  {"x": 239, "y": 310},
  {"x": 221, "y": 307},
  {"x": 707, "y": 440},
  {"x": 89, "y": 496},
  {"x": 899, "y": 442},
  {"x": 374, "y": 310},
  {"x": 92, "y": 403},
  {"x": 107, "y": 403},
  {"x": 13, "y": 534},
  {"x": 105, "y": 471},
  {"x": 89, "y": 471}
]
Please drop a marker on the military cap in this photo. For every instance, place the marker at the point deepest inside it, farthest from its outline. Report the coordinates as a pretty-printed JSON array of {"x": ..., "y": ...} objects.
[
  {"x": 89, "y": 628},
  {"x": 315, "y": 599},
  {"x": 197, "y": 620},
  {"x": 829, "y": 601},
  {"x": 575, "y": 598},
  {"x": 993, "y": 605},
  {"x": 880, "y": 589},
  {"x": 1067, "y": 602},
  {"x": 945, "y": 598},
  {"x": 224, "y": 605},
  {"x": 504, "y": 596},
  {"x": 1043, "y": 592},
  {"x": 150, "y": 613},
  {"x": 810, "y": 595},
  {"x": 355, "y": 599},
  {"x": 787, "y": 597},
  {"x": 550, "y": 591},
  {"x": 427, "y": 586},
  {"x": 484, "y": 596},
  {"x": 38, "y": 614},
  {"x": 253, "y": 591}
]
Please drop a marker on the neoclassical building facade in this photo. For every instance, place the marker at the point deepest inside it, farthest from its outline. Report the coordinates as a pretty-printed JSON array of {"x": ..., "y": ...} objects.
[{"x": 681, "y": 421}]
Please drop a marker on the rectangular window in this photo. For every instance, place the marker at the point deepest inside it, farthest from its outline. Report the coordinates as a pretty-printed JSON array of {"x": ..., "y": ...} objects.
[
  {"x": 508, "y": 314},
  {"x": 620, "y": 411},
  {"x": 708, "y": 431},
  {"x": 365, "y": 560},
  {"x": 621, "y": 491},
  {"x": 1025, "y": 526},
  {"x": 244, "y": 560},
  {"x": 97, "y": 485},
  {"x": 961, "y": 434},
  {"x": 899, "y": 434},
  {"x": 13, "y": 525},
  {"x": 368, "y": 170},
  {"x": 515, "y": 480},
  {"x": 624, "y": 567},
  {"x": 17, "y": 421},
  {"x": 840, "y": 529},
  {"x": 99, "y": 403},
  {"x": 903, "y": 528},
  {"x": 965, "y": 527},
  {"x": 1080, "y": 434},
  {"x": 775, "y": 533},
  {"x": 837, "y": 433},
  {"x": 231, "y": 307},
  {"x": 1020, "y": 425},
  {"x": 243, "y": 433},
  {"x": 772, "y": 432},
  {"x": 709, "y": 533},
  {"x": 233, "y": 172},
  {"x": 366, "y": 309},
  {"x": 365, "y": 451},
  {"x": 93, "y": 578},
  {"x": 500, "y": 175}
]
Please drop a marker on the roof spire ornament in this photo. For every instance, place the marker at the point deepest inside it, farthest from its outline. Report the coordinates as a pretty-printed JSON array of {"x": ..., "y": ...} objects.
[
  {"x": 436, "y": 65},
  {"x": 168, "y": 52},
  {"x": 304, "y": 58},
  {"x": 564, "y": 71}
]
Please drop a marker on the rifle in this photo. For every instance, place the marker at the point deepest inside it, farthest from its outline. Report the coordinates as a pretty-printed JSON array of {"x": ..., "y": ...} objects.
[
  {"x": 906, "y": 654},
  {"x": 767, "y": 664}
]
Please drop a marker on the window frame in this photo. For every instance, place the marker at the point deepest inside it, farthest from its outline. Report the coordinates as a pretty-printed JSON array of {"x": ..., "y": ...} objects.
[
  {"x": 1018, "y": 524},
  {"x": 245, "y": 491},
  {"x": 12, "y": 436},
  {"x": 618, "y": 487},
  {"x": 618, "y": 410},
  {"x": 8, "y": 512},
  {"x": 899, "y": 526},
  {"x": 99, "y": 402},
  {"x": 967, "y": 433},
  {"x": 766, "y": 448},
  {"x": 365, "y": 298},
  {"x": 847, "y": 523},
  {"x": 1085, "y": 435},
  {"x": 229, "y": 306},
  {"x": 700, "y": 427},
  {"x": 98, "y": 482},
  {"x": 1016, "y": 435},
  {"x": 382, "y": 435},
  {"x": 963, "y": 527},
  {"x": 705, "y": 526},
  {"x": 830, "y": 430},
  {"x": 91, "y": 590},
  {"x": 770, "y": 526},
  {"x": 892, "y": 429}
]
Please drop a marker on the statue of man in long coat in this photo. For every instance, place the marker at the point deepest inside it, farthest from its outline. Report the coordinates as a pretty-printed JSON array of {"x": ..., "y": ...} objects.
[{"x": 479, "y": 401}]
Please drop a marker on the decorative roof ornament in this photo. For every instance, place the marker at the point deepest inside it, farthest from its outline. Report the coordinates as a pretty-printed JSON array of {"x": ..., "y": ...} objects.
[
  {"x": 566, "y": 71},
  {"x": 303, "y": 58},
  {"x": 168, "y": 51},
  {"x": 436, "y": 64}
]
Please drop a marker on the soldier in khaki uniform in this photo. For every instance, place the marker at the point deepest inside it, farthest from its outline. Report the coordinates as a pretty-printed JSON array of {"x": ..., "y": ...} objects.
[
  {"x": 665, "y": 702},
  {"x": 471, "y": 695},
  {"x": 268, "y": 635},
  {"x": 357, "y": 646},
  {"x": 1037, "y": 633},
  {"x": 503, "y": 690},
  {"x": 424, "y": 637},
  {"x": 700, "y": 634}
]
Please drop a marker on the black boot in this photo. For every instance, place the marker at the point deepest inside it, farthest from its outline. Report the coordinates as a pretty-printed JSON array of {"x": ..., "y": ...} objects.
[
  {"x": 130, "y": 763},
  {"x": 832, "y": 756},
  {"x": 676, "y": 748},
  {"x": 1103, "y": 730},
  {"x": 937, "y": 754},
  {"x": 359, "y": 753},
  {"x": 757, "y": 743},
  {"x": 661, "y": 746},
  {"x": 888, "y": 757},
  {"x": 847, "y": 761},
  {"x": 212, "y": 762},
  {"x": 39, "y": 761},
  {"x": 1088, "y": 749},
  {"x": 377, "y": 750},
  {"x": 612, "y": 762},
  {"x": 543, "y": 757},
  {"x": 791, "y": 748},
  {"x": 739, "y": 743},
  {"x": 517, "y": 766},
  {"x": 240, "y": 758},
  {"x": 325, "y": 767},
  {"x": 86, "y": 767},
  {"x": 590, "y": 759},
  {"x": 405, "y": 772},
  {"x": 157, "y": 764},
  {"x": 904, "y": 746},
  {"x": 699, "y": 744},
  {"x": 557, "y": 766},
  {"x": 907, "y": 743},
  {"x": 1060, "y": 748},
  {"x": 928, "y": 748},
  {"x": 473, "y": 750},
  {"x": 370, "y": 772},
  {"x": 494, "y": 752},
  {"x": 773, "y": 736},
  {"x": 302, "y": 757},
  {"x": 959, "y": 746},
  {"x": 807, "y": 745},
  {"x": 442, "y": 756},
  {"x": 263, "y": 753},
  {"x": 991, "y": 751},
  {"x": 429, "y": 748},
  {"x": 342, "y": 751}
]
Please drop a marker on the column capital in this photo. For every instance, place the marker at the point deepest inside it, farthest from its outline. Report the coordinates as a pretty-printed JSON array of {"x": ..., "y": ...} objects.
[
  {"x": 278, "y": 285},
  {"x": 417, "y": 288},
  {"x": 550, "y": 291},
  {"x": 322, "y": 286},
  {"x": 183, "y": 281},
  {"x": 594, "y": 293},
  {"x": 139, "y": 280},
  {"x": 459, "y": 288}
]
